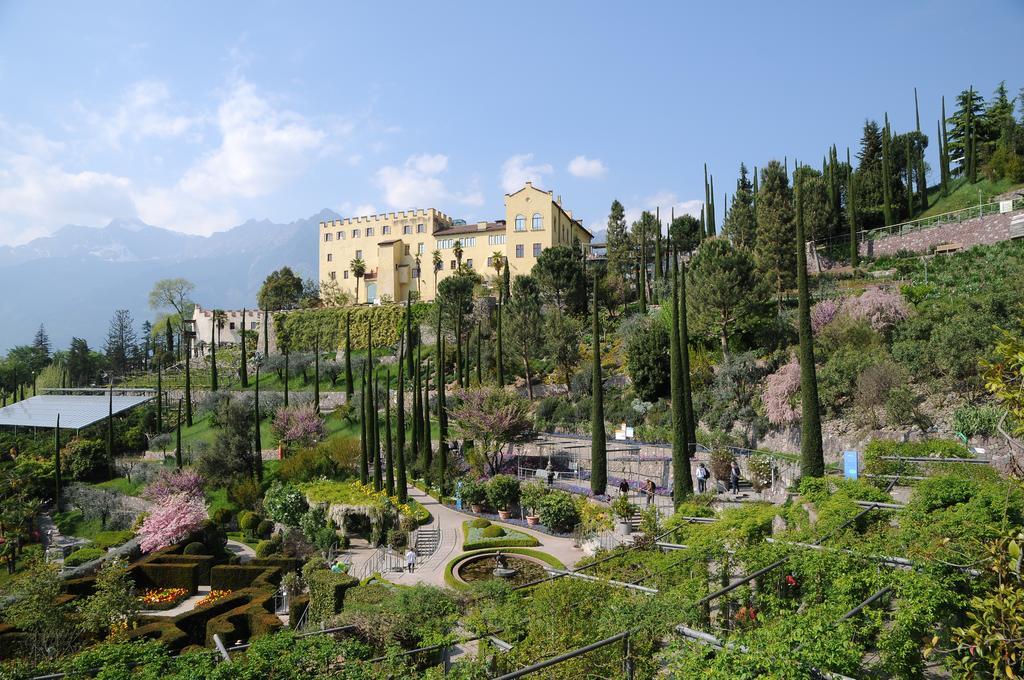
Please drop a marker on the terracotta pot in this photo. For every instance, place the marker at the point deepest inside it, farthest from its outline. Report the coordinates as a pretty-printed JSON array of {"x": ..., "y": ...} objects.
[
  {"x": 532, "y": 520},
  {"x": 476, "y": 508},
  {"x": 504, "y": 514}
]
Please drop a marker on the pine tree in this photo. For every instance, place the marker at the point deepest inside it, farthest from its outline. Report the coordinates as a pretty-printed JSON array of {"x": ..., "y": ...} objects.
[
  {"x": 887, "y": 173},
  {"x": 812, "y": 461},
  {"x": 598, "y": 445},
  {"x": 620, "y": 252},
  {"x": 349, "y": 386},
  {"x": 389, "y": 463},
  {"x": 774, "y": 244},
  {"x": 738, "y": 224},
  {"x": 400, "y": 474},
  {"x": 243, "y": 371},
  {"x": 680, "y": 443}
]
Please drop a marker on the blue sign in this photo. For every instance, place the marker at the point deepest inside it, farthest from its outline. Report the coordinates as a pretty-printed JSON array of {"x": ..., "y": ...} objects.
[
  {"x": 851, "y": 464},
  {"x": 458, "y": 495}
]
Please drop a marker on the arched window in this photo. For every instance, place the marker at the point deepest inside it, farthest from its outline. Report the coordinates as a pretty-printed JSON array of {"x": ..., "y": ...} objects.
[
  {"x": 538, "y": 222},
  {"x": 520, "y": 223}
]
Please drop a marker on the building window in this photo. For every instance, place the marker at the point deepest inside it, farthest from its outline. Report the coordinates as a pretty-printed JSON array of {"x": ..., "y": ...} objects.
[
  {"x": 345, "y": 274},
  {"x": 231, "y": 327},
  {"x": 469, "y": 242},
  {"x": 421, "y": 229},
  {"x": 369, "y": 231},
  {"x": 498, "y": 240},
  {"x": 520, "y": 223},
  {"x": 407, "y": 249},
  {"x": 254, "y": 325},
  {"x": 421, "y": 248},
  {"x": 407, "y": 230},
  {"x": 519, "y": 250},
  {"x": 385, "y": 230},
  {"x": 453, "y": 265},
  {"x": 490, "y": 262},
  {"x": 327, "y": 236},
  {"x": 415, "y": 272},
  {"x": 469, "y": 263},
  {"x": 359, "y": 254},
  {"x": 355, "y": 233},
  {"x": 330, "y": 258},
  {"x": 538, "y": 222},
  {"x": 536, "y": 250}
]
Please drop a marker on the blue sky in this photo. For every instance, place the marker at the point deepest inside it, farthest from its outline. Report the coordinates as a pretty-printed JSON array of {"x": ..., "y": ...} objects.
[{"x": 197, "y": 116}]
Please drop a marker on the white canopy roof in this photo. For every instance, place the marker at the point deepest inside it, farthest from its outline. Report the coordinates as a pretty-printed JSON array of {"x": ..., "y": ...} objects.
[{"x": 76, "y": 410}]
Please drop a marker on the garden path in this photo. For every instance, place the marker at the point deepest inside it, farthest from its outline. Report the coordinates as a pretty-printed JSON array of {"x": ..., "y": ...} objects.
[
  {"x": 244, "y": 552},
  {"x": 186, "y": 605}
]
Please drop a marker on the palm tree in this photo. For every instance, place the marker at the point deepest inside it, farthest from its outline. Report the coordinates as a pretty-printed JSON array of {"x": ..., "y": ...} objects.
[
  {"x": 498, "y": 262},
  {"x": 358, "y": 268},
  {"x": 220, "y": 318},
  {"x": 438, "y": 263},
  {"x": 458, "y": 253}
]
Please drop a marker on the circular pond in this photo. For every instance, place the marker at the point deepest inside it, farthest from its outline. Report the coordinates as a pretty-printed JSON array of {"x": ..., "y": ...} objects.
[{"x": 482, "y": 568}]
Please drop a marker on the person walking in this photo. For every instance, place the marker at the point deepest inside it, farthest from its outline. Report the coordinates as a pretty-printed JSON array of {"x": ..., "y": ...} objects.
[
  {"x": 649, "y": 488},
  {"x": 410, "y": 560},
  {"x": 702, "y": 478},
  {"x": 623, "y": 488},
  {"x": 734, "y": 477}
]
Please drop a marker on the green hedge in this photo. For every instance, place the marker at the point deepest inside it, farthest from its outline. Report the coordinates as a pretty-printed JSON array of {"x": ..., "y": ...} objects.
[
  {"x": 475, "y": 538},
  {"x": 296, "y": 606},
  {"x": 327, "y": 594},
  {"x": 205, "y": 563},
  {"x": 931, "y": 448},
  {"x": 452, "y": 582},
  {"x": 285, "y": 564},
  {"x": 168, "y": 576},
  {"x": 111, "y": 539},
  {"x": 83, "y": 555},
  {"x": 239, "y": 576},
  {"x": 301, "y": 325}
]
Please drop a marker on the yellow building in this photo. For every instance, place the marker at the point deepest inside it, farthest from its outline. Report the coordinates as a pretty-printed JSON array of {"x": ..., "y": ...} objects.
[{"x": 397, "y": 249}]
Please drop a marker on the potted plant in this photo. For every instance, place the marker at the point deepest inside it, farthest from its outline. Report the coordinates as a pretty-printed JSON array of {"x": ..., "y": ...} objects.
[
  {"x": 623, "y": 511},
  {"x": 530, "y": 497},
  {"x": 502, "y": 494},
  {"x": 473, "y": 494}
]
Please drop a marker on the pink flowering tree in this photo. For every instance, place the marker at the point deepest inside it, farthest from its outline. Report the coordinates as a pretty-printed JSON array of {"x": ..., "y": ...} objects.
[
  {"x": 173, "y": 482},
  {"x": 823, "y": 313},
  {"x": 883, "y": 309},
  {"x": 780, "y": 390},
  {"x": 495, "y": 420},
  {"x": 298, "y": 425},
  {"x": 173, "y": 519}
]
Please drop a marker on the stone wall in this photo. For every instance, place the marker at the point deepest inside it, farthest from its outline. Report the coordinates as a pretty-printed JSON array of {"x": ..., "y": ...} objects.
[{"x": 979, "y": 231}]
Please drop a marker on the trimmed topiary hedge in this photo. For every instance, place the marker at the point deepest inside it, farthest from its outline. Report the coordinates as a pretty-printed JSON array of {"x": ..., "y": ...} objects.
[
  {"x": 194, "y": 548},
  {"x": 494, "y": 536},
  {"x": 239, "y": 576},
  {"x": 83, "y": 555},
  {"x": 170, "y": 576},
  {"x": 327, "y": 594}
]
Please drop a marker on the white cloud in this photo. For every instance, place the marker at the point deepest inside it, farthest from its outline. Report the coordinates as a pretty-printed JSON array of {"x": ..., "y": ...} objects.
[
  {"x": 415, "y": 184},
  {"x": 666, "y": 201},
  {"x": 588, "y": 168},
  {"x": 516, "y": 171},
  {"x": 142, "y": 112}
]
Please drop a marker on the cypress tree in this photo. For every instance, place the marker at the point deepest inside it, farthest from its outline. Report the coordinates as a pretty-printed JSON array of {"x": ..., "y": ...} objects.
[
  {"x": 349, "y": 387},
  {"x": 657, "y": 247},
  {"x": 243, "y": 371},
  {"x": 812, "y": 461},
  {"x": 417, "y": 411},
  {"x": 259, "y": 435},
  {"x": 598, "y": 445},
  {"x": 213, "y": 354},
  {"x": 408, "y": 335},
  {"x": 971, "y": 140},
  {"x": 287, "y": 375},
  {"x": 684, "y": 352},
  {"x": 500, "y": 363},
  {"x": 400, "y": 476},
  {"x": 680, "y": 433},
  {"x": 110, "y": 430},
  {"x": 177, "y": 438},
  {"x": 426, "y": 454},
  {"x": 851, "y": 214},
  {"x": 945, "y": 151},
  {"x": 266, "y": 334},
  {"x": 712, "y": 230},
  {"x": 159, "y": 399},
  {"x": 442, "y": 424},
  {"x": 169, "y": 336},
  {"x": 922, "y": 180},
  {"x": 943, "y": 180},
  {"x": 887, "y": 173},
  {"x": 506, "y": 277},
  {"x": 910, "y": 180},
  {"x": 187, "y": 341},
  {"x": 703, "y": 222},
  {"x": 458, "y": 342},
  {"x": 364, "y": 448},
  {"x": 389, "y": 462},
  {"x": 56, "y": 464},
  {"x": 316, "y": 371},
  {"x": 643, "y": 269},
  {"x": 706, "y": 214},
  {"x": 479, "y": 356},
  {"x": 378, "y": 481}
]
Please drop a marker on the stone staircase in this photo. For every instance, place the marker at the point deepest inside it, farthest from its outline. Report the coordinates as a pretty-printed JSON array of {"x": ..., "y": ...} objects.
[{"x": 427, "y": 541}]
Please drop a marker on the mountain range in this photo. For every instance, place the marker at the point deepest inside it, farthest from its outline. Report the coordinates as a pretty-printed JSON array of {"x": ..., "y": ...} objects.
[{"x": 73, "y": 280}]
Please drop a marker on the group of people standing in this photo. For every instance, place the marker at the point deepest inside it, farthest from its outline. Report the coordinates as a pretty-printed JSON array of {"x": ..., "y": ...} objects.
[{"x": 703, "y": 475}]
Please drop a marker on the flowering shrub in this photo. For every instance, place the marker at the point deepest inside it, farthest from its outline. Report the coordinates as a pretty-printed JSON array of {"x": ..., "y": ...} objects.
[
  {"x": 779, "y": 390},
  {"x": 172, "y": 520},
  {"x": 213, "y": 596},
  {"x": 881, "y": 308},
  {"x": 172, "y": 482},
  {"x": 823, "y": 313},
  {"x": 298, "y": 425},
  {"x": 162, "y": 598}
]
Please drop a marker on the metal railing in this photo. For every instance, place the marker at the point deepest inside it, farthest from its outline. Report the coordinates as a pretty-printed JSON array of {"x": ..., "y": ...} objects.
[{"x": 383, "y": 560}]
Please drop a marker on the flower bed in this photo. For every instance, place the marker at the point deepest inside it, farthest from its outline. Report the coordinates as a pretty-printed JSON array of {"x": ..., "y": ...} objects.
[
  {"x": 214, "y": 596},
  {"x": 476, "y": 537},
  {"x": 160, "y": 599},
  {"x": 540, "y": 528}
]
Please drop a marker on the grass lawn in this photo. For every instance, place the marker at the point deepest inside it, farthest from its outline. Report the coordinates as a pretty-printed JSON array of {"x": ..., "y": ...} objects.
[
  {"x": 74, "y": 523},
  {"x": 122, "y": 486},
  {"x": 474, "y": 537},
  {"x": 240, "y": 537},
  {"x": 203, "y": 430},
  {"x": 964, "y": 195}
]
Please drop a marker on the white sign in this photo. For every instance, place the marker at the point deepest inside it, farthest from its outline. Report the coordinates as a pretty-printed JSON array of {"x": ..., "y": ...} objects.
[{"x": 1005, "y": 206}]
